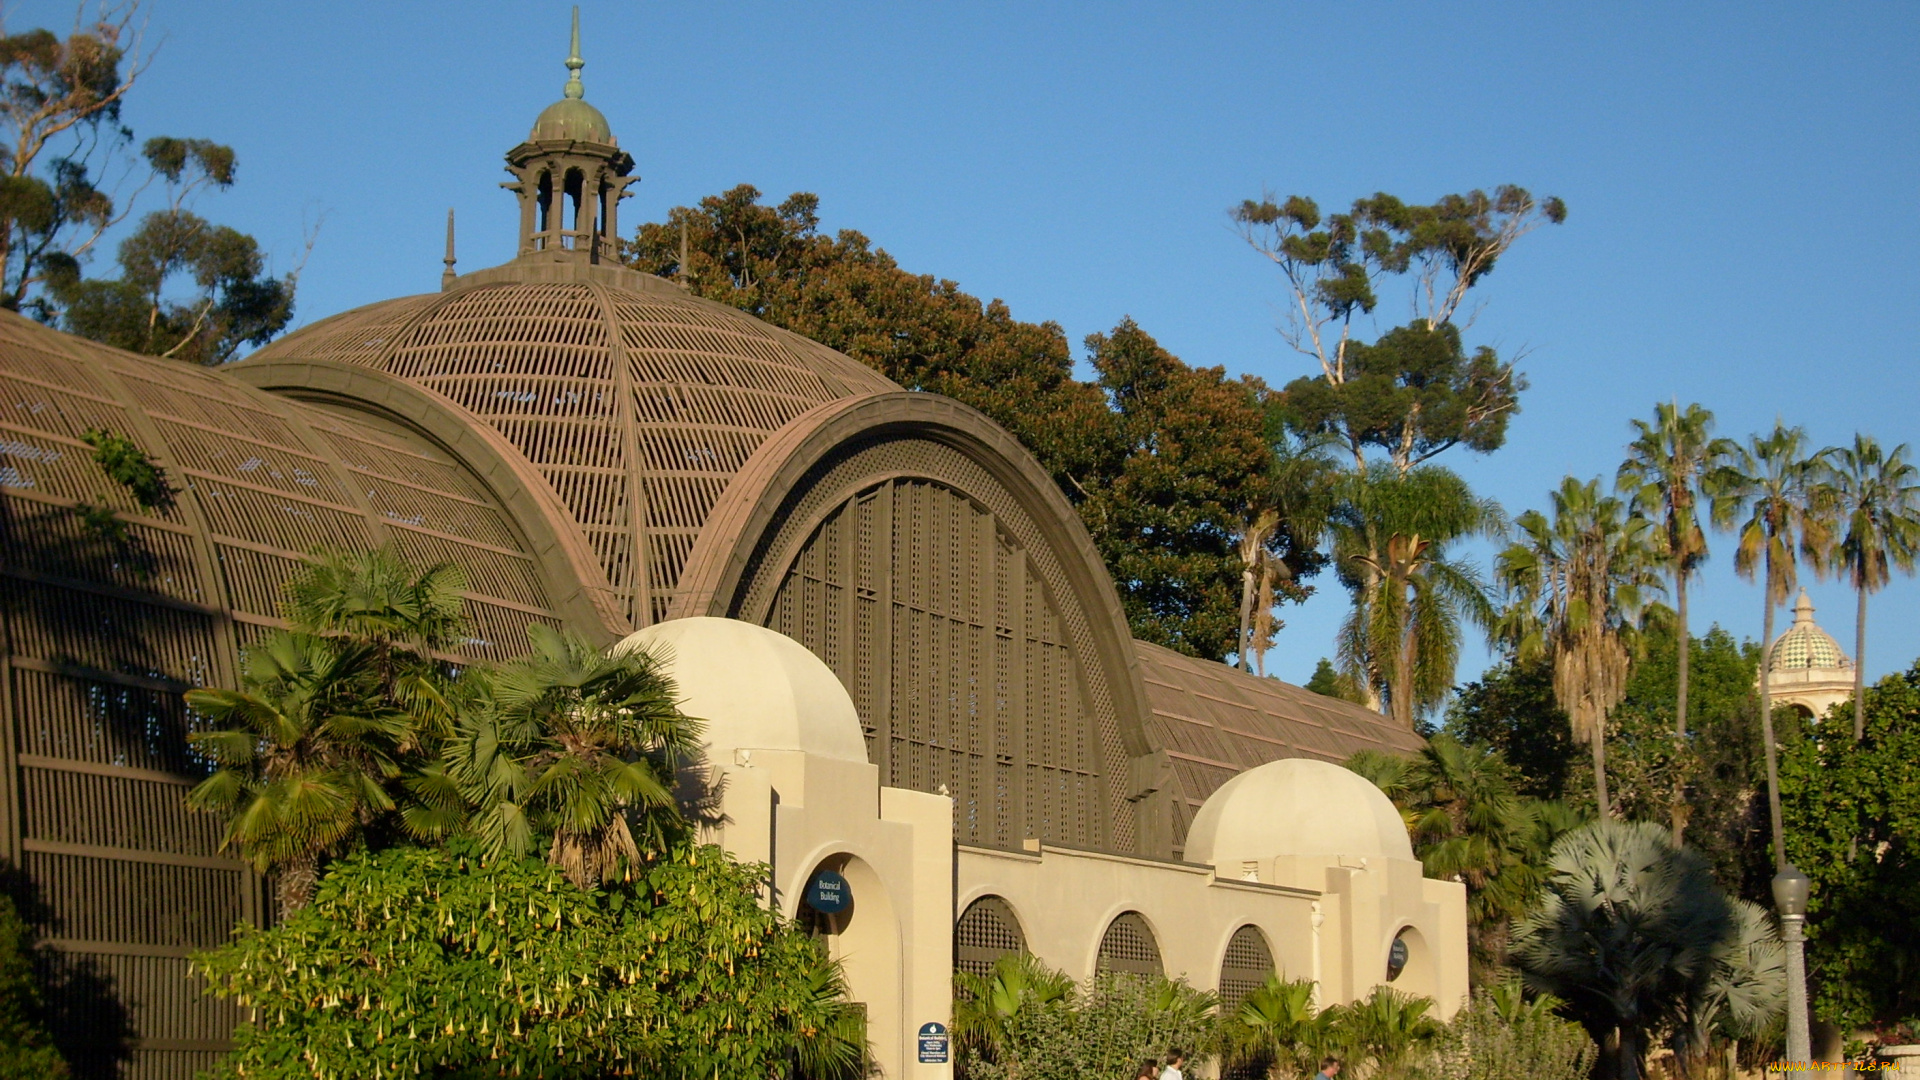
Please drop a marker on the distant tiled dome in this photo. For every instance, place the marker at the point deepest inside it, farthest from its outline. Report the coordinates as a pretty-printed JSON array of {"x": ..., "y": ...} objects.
[{"x": 1805, "y": 646}]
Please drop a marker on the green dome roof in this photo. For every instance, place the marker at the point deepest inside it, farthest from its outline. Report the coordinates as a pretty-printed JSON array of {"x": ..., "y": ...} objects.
[
  {"x": 572, "y": 118},
  {"x": 1805, "y": 646}
]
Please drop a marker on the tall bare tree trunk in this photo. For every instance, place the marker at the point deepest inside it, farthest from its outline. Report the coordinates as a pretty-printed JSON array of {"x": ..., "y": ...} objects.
[
  {"x": 1679, "y": 807},
  {"x": 1766, "y": 727},
  {"x": 294, "y": 882},
  {"x": 1860, "y": 669},
  {"x": 1598, "y": 745},
  {"x": 1246, "y": 616}
]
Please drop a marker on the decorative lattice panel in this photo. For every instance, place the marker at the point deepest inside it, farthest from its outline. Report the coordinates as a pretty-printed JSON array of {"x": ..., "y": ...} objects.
[
  {"x": 986, "y": 932},
  {"x": 1129, "y": 946},
  {"x": 954, "y": 652},
  {"x": 976, "y": 665},
  {"x": 103, "y": 634},
  {"x": 637, "y": 405},
  {"x": 1244, "y": 969}
]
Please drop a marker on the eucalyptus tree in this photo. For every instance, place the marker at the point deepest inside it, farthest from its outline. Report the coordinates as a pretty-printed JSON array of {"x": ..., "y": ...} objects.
[
  {"x": 1666, "y": 463},
  {"x": 1772, "y": 497},
  {"x": 1392, "y": 532},
  {"x": 567, "y": 743},
  {"x": 1877, "y": 500},
  {"x": 1577, "y": 582},
  {"x": 304, "y": 751}
]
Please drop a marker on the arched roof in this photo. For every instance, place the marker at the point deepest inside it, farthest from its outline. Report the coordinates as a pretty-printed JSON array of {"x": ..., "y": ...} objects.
[
  {"x": 1805, "y": 646},
  {"x": 636, "y": 401}
]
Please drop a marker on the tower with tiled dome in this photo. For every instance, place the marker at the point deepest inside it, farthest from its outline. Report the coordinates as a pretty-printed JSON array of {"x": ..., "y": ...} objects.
[{"x": 1808, "y": 670}]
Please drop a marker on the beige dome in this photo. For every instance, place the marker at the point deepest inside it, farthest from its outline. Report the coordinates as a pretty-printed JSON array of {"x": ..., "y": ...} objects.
[
  {"x": 757, "y": 689},
  {"x": 1296, "y": 806},
  {"x": 1805, "y": 646}
]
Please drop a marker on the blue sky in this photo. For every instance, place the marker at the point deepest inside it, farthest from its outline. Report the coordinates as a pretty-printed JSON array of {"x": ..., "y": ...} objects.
[{"x": 1743, "y": 179}]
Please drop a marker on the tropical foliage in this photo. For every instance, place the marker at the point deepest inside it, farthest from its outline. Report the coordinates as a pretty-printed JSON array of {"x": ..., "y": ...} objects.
[
  {"x": 1392, "y": 538},
  {"x": 1576, "y": 580},
  {"x": 1050, "y": 1029},
  {"x": 1855, "y": 812},
  {"x": 443, "y": 962},
  {"x": 26, "y": 1049},
  {"x": 1876, "y": 496},
  {"x": 1637, "y": 939},
  {"x": 1469, "y": 824},
  {"x": 1501, "y": 1033}
]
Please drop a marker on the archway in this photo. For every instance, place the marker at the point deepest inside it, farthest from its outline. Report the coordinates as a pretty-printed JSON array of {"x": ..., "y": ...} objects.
[
  {"x": 1245, "y": 967},
  {"x": 1409, "y": 966},
  {"x": 864, "y": 937},
  {"x": 1130, "y": 947},
  {"x": 988, "y": 930}
]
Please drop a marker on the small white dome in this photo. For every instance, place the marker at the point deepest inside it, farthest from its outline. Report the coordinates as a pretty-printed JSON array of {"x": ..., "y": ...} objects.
[
  {"x": 1296, "y": 806},
  {"x": 1805, "y": 646},
  {"x": 757, "y": 689}
]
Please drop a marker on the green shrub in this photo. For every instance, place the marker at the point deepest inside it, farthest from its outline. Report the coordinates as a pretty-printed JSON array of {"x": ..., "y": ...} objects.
[
  {"x": 435, "y": 962},
  {"x": 26, "y": 1051},
  {"x": 1500, "y": 1035}
]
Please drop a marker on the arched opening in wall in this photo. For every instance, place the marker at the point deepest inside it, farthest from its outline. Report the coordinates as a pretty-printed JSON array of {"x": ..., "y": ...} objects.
[
  {"x": 575, "y": 205},
  {"x": 545, "y": 201},
  {"x": 987, "y": 931},
  {"x": 845, "y": 902},
  {"x": 1130, "y": 947},
  {"x": 1804, "y": 712},
  {"x": 1409, "y": 964},
  {"x": 1244, "y": 969},
  {"x": 959, "y": 657}
]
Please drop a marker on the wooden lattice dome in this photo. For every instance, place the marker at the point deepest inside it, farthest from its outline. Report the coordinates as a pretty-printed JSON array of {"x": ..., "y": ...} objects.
[{"x": 636, "y": 401}]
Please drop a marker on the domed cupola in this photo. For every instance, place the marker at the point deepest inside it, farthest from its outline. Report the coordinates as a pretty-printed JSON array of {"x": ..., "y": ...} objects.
[
  {"x": 1807, "y": 669},
  {"x": 1805, "y": 646},
  {"x": 570, "y": 175}
]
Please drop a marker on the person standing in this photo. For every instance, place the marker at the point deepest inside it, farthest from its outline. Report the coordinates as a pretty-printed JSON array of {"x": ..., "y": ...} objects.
[
  {"x": 1149, "y": 1070},
  {"x": 1176, "y": 1061},
  {"x": 1329, "y": 1068}
]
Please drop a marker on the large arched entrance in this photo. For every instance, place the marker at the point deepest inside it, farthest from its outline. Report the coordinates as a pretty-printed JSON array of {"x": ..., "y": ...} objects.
[{"x": 863, "y": 935}]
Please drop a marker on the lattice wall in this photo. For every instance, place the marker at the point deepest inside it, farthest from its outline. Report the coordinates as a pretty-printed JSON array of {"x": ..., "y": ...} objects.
[
  {"x": 1244, "y": 969},
  {"x": 1129, "y": 946},
  {"x": 932, "y": 614},
  {"x": 987, "y": 931},
  {"x": 101, "y": 638},
  {"x": 637, "y": 405}
]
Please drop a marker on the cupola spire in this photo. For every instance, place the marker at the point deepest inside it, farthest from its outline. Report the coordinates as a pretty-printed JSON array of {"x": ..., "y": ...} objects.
[
  {"x": 575, "y": 91},
  {"x": 570, "y": 175}
]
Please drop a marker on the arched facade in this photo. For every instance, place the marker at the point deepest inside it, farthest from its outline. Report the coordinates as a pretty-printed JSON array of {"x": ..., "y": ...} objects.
[
  {"x": 1129, "y": 947},
  {"x": 103, "y": 634},
  {"x": 1245, "y": 967},
  {"x": 988, "y": 930}
]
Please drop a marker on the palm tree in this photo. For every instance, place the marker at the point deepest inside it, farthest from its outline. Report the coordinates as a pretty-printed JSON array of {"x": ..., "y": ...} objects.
[
  {"x": 377, "y": 599},
  {"x": 1468, "y": 824},
  {"x": 1662, "y": 474},
  {"x": 1391, "y": 534},
  {"x": 1877, "y": 494},
  {"x": 986, "y": 1006},
  {"x": 304, "y": 749},
  {"x": 1577, "y": 580},
  {"x": 1294, "y": 499},
  {"x": 1774, "y": 482},
  {"x": 1386, "y": 1028},
  {"x": 1278, "y": 1026},
  {"x": 1635, "y": 936},
  {"x": 566, "y": 742}
]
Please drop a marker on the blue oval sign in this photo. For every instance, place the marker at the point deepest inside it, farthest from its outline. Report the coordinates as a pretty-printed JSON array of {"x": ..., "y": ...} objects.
[{"x": 828, "y": 893}]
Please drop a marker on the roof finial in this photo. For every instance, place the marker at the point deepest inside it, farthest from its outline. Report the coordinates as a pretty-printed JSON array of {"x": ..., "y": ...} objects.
[
  {"x": 447, "y": 275},
  {"x": 574, "y": 63},
  {"x": 1803, "y": 609}
]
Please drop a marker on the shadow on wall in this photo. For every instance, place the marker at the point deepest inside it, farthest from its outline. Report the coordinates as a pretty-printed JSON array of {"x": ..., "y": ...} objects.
[{"x": 91, "y": 1025}]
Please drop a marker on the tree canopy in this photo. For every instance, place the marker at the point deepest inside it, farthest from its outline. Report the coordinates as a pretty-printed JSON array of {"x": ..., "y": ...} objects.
[{"x": 1164, "y": 462}]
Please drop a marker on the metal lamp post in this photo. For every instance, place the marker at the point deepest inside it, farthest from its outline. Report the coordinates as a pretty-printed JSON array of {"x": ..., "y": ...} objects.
[{"x": 1790, "y": 891}]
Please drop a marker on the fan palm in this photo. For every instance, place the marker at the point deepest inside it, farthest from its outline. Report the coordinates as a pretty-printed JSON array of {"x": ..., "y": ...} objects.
[
  {"x": 1877, "y": 497},
  {"x": 304, "y": 751},
  {"x": 1775, "y": 485},
  {"x": 833, "y": 1045},
  {"x": 566, "y": 742},
  {"x": 1577, "y": 581},
  {"x": 1386, "y": 1028},
  {"x": 1278, "y": 1026},
  {"x": 986, "y": 1005},
  {"x": 1391, "y": 534},
  {"x": 1633, "y": 935},
  {"x": 377, "y": 599},
  {"x": 1665, "y": 465}
]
